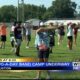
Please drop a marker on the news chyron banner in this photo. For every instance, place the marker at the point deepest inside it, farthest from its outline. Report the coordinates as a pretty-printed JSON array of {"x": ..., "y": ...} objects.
[
  {"x": 18, "y": 59},
  {"x": 33, "y": 64}
]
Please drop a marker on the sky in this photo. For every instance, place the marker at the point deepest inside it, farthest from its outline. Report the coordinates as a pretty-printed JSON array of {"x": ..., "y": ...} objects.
[{"x": 46, "y": 3}]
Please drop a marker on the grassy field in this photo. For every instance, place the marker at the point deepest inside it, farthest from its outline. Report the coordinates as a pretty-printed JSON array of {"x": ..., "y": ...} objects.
[{"x": 60, "y": 54}]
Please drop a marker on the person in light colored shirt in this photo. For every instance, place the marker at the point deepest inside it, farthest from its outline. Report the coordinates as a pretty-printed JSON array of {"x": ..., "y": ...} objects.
[
  {"x": 28, "y": 29},
  {"x": 42, "y": 43},
  {"x": 70, "y": 35},
  {"x": 12, "y": 38}
]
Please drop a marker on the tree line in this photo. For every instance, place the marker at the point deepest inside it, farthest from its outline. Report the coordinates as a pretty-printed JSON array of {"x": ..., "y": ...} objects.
[{"x": 58, "y": 9}]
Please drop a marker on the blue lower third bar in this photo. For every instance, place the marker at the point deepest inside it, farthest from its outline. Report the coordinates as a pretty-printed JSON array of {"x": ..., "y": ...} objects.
[{"x": 37, "y": 65}]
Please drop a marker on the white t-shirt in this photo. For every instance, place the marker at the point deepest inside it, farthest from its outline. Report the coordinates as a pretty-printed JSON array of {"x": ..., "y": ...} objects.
[
  {"x": 12, "y": 28},
  {"x": 28, "y": 29},
  {"x": 69, "y": 31}
]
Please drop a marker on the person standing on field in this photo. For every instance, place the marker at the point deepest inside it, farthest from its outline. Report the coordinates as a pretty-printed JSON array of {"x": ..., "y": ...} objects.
[
  {"x": 42, "y": 41},
  {"x": 70, "y": 27},
  {"x": 12, "y": 38},
  {"x": 75, "y": 31},
  {"x": 28, "y": 28},
  {"x": 3, "y": 32},
  {"x": 61, "y": 33},
  {"x": 18, "y": 37},
  {"x": 52, "y": 37}
]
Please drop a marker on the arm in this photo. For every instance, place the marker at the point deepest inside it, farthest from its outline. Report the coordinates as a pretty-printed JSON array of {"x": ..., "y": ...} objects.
[
  {"x": 45, "y": 29},
  {"x": 40, "y": 30}
]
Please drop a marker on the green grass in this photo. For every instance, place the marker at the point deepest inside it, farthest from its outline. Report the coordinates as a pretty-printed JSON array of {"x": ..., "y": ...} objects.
[{"x": 60, "y": 54}]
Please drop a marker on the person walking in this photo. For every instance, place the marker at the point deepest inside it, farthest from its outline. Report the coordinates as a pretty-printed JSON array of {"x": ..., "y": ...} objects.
[{"x": 18, "y": 37}]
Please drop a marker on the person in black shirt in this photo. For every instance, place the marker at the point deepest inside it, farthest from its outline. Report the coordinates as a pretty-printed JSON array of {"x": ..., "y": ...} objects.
[
  {"x": 52, "y": 37},
  {"x": 18, "y": 37}
]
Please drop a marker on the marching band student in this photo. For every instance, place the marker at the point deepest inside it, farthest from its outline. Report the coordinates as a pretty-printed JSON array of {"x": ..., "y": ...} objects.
[
  {"x": 70, "y": 27},
  {"x": 28, "y": 29},
  {"x": 12, "y": 38},
  {"x": 3, "y": 32},
  {"x": 75, "y": 31},
  {"x": 42, "y": 41},
  {"x": 61, "y": 33},
  {"x": 52, "y": 37},
  {"x": 18, "y": 37}
]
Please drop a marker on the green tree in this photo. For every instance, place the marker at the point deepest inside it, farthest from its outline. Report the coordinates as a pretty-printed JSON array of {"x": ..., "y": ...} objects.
[
  {"x": 8, "y": 13},
  {"x": 63, "y": 8},
  {"x": 32, "y": 11}
]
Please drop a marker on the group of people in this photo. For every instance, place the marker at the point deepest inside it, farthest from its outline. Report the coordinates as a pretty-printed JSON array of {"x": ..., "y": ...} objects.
[
  {"x": 72, "y": 30},
  {"x": 18, "y": 33},
  {"x": 44, "y": 39}
]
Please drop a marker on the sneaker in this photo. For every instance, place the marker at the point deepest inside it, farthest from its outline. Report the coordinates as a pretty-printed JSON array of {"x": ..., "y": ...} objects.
[{"x": 27, "y": 46}]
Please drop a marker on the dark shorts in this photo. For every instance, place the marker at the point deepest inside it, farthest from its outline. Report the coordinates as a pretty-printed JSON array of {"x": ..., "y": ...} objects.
[
  {"x": 28, "y": 37},
  {"x": 3, "y": 38},
  {"x": 52, "y": 42},
  {"x": 70, "y": 38},
  {"x": 43, "y": 54}
]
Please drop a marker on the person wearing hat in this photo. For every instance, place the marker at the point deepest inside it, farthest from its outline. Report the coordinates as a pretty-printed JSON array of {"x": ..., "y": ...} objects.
[{"x": 42, "y": 41}]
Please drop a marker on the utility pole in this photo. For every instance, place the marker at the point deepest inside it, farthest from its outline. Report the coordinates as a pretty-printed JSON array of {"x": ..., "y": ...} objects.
[
  {"x": 23, "y": 11},
  {"x": 20, "y": 10}
]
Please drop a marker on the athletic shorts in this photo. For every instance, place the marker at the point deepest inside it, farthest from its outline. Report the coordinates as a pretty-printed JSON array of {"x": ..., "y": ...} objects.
[
  {"x": 43, "y": 54},
  {"x": 70, "y": 38},
  {"x": 18, "y": 42},
  {"x": 28, "y": 37},
  {"x": 3, "y": 38},
  {"x": 52, "y": 42}
]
